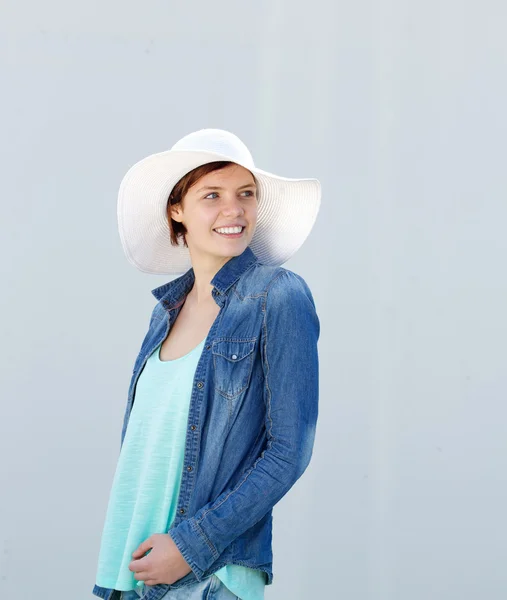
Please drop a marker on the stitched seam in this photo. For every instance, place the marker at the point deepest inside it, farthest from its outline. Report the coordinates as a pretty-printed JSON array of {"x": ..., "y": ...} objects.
[
  {"x": 184, "y": 552},
  {"x": 230, "y": 396},
  {"x": 270, "y": 440},
  {"x": 268, "y": 409},
  {"x": 230, "y": 339},
  {"x": 266, "y": 373},
  {"x": 277, "y": 276},
  {"x": 195, "y": 526},
  {"x": 238, "y": 486},
  {"x": 239, "y": 361},
  {"x": 259, "y": 295},
  {"x": 239, "y": 358},
  {"x": 270, "y": 283}
]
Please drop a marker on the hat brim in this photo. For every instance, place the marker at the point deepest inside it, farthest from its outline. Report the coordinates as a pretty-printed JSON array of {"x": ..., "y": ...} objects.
[{"x": 287, "y": 210}]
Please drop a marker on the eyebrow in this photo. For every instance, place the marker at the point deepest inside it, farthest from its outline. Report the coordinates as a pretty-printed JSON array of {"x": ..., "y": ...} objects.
[{"x": 217, "y": 187}]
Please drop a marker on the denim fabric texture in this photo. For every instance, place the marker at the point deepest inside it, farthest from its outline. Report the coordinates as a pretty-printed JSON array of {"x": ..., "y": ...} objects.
[
  {"x": 210, "y": 588},
  {"x": 252, "y": 416}
]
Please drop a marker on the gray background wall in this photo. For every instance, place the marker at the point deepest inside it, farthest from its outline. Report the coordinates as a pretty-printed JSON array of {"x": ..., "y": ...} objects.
[{"x": 399, "y": 108}]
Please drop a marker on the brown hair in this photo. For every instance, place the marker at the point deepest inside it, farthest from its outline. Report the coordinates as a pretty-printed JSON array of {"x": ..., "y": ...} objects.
[{"x": 179, "y": 191}]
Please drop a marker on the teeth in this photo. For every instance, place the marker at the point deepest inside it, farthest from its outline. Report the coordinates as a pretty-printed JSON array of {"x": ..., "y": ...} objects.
[{"x": 229, "y": 229}]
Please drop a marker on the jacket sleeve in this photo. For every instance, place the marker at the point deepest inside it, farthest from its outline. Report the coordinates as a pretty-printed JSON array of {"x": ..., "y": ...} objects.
[{"x": 290, "y": 361}]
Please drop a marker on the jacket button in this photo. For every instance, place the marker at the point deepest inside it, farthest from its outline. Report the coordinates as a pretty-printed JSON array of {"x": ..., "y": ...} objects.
[
  {"x": 208, "y": 347},
  {"x": 234, "y": 356},
  {"x": 193, "y": 427},
  {"x": 189, "y": 468},
  {"x": 182, "y": 511},
  {"x": 200, "y": 384}
]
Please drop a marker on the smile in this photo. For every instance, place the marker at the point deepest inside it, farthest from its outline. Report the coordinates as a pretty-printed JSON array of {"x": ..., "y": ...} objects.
[{"x": 230, "y": 231}]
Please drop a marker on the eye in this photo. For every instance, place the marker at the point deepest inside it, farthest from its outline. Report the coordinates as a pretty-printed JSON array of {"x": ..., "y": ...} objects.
[
  {"x": 249, "y": 192},
  {"x": 210, "y": 195}
]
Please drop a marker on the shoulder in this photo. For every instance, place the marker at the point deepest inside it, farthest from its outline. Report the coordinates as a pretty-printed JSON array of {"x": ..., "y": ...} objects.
[{"x": 277, "y": 284}]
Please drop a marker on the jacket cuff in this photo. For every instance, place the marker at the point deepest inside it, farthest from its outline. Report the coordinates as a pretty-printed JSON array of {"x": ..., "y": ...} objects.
[{"x": 194, "y": 546}]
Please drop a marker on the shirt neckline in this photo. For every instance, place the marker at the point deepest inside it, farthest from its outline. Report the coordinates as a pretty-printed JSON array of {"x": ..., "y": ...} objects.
[{"x": 179, "y": 359}]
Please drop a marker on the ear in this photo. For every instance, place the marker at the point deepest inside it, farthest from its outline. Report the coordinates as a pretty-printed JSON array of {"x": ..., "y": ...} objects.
[{"x": 176, "y": 212}]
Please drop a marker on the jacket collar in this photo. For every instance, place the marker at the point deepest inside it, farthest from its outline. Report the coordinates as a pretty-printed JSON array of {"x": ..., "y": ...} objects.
[{"x": 171, "y": 294}]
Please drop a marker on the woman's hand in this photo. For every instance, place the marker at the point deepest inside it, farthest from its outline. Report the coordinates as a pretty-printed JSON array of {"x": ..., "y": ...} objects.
[{"x": 164, "y": 564}]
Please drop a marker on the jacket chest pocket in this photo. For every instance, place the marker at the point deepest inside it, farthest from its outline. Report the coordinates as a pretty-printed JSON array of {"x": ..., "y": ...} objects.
[{"x": 232, "y": 362}]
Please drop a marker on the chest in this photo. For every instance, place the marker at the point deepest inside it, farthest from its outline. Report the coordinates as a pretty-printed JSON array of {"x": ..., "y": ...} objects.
[{"x": 189, "y": 329}]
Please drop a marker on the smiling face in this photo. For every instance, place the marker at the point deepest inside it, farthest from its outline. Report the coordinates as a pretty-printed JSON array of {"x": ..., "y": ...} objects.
[{"x": 219, "y": 213}]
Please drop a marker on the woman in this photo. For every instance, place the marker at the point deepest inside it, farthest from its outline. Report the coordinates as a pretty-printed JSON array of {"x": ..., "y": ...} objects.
[{"x": 226, "y": 380}]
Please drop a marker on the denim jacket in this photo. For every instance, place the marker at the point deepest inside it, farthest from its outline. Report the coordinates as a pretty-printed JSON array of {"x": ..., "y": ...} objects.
[{"x": 252, "y": 414}]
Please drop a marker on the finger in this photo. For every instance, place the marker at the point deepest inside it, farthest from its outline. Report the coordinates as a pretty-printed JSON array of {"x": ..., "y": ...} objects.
[
  {"x": 142, "y": 548},
  {"x": 141, "y": 564},
  {"x": 142, "y": 576}
]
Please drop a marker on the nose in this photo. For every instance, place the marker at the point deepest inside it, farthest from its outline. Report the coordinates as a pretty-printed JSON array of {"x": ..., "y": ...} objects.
[{"x": 232, "y": 207}]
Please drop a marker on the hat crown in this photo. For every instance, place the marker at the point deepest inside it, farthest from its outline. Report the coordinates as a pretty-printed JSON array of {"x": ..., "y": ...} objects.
[{"x": 217, "y": 141}]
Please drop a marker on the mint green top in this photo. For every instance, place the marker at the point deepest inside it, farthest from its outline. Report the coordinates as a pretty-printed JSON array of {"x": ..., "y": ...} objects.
[{"x": 145, "y": 489}]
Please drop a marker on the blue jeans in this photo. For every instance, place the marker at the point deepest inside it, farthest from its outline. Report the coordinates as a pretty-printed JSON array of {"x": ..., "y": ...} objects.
[{"x": 210, "y": 588}]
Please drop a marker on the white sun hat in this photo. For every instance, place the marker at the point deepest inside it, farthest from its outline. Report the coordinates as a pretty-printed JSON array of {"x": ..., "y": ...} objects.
[{"x": 287, "y": 208}]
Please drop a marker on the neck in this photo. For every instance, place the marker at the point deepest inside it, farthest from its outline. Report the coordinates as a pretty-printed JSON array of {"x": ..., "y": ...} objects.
[{"x": 205, "y": 268}]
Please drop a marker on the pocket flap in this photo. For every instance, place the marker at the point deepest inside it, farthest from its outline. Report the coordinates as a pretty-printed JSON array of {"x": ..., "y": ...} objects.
[{"x": 232, "y": 349}]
